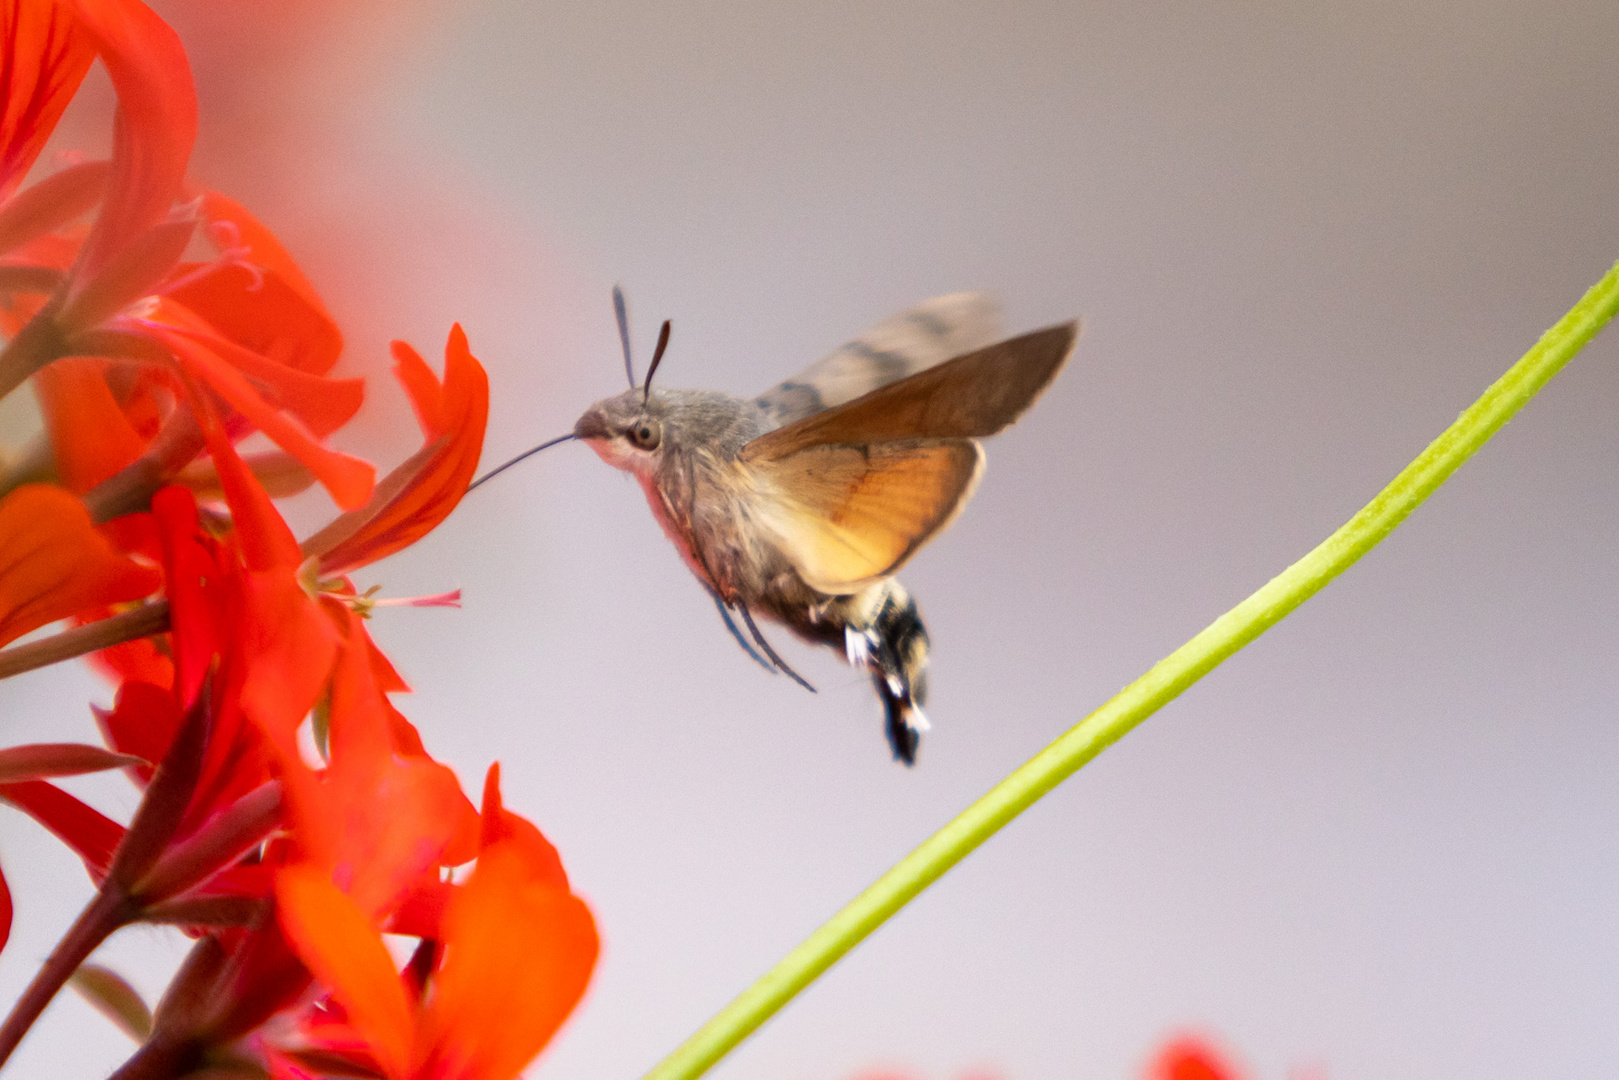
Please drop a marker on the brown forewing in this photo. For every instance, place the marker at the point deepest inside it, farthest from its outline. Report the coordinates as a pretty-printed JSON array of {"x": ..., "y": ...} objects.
[{"x": 974, "y": 395}]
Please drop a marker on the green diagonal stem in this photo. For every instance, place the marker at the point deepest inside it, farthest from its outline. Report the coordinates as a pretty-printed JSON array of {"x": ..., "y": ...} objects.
[{"x": 1088, "y": 738}]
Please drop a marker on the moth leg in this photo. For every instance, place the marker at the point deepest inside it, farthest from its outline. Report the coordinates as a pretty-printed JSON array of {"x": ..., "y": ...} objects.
[
  {"x": 759, "y": 639},
  {"x": 730, "y": 624}
]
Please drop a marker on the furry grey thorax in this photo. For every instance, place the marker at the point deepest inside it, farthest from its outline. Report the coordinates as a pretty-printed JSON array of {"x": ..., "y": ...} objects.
[{"x": 698, "y": 491}]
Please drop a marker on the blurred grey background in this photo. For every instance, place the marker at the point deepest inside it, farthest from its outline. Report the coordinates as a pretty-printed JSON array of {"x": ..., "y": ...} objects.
[{"x": 1380, "y": 841}]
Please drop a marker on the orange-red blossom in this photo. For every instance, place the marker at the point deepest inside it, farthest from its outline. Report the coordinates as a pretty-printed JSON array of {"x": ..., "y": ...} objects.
[
  {"x": 149, "y": 368},
  {"x": 513, "y": 952}
]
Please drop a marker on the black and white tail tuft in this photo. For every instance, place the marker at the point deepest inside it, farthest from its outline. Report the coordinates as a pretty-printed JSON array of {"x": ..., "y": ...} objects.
[{"x": 894, "y": 648}]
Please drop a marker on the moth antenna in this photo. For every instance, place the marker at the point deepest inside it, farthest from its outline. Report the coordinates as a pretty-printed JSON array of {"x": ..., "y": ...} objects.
[
  {"x": 492, "y": 473},
  {"x": 624, "y": 333},
  {"x": 657, "y": 358}
]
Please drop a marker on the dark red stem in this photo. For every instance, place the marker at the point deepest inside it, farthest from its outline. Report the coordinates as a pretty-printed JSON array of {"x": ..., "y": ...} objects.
[
  {"x": 36, "y": 344},
  {"x": 105, "y": 914},
  {"x": 160, "y": 1059}
]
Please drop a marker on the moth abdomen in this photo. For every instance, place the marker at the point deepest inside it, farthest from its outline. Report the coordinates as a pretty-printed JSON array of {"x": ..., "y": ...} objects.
[{"x": 891, "y": 643}]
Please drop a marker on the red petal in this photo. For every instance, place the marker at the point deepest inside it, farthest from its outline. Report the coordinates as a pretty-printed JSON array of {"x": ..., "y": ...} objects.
[
  {"x": 501, "y": 825},
  {"x": 519, "y": 954},
  {"x": 389, "y": 681},
  {"x": 142, "y": 723},
  {"x": 348, "y": 479},
  {"x": 288, "y": 647},
  {"x": 277, "y": 314},
  {"x": 140, "y": 661},
  {"x": 54, "y": 564},
  {"x": 338, "y": 943},
  {"x": 463, "y": 846},
  {"x": 389, "y": 818},
  {"x": 91, "y": 834},
  {"x": 199, "y": 585},
  {"x": 408, "y": 743},
  {"x": 134, "y": 534},
  {"x": 323, "y": 404},
  {"x": 421, "y": 913},
  {"x": 5, "y": 912},
  {"x": 442, "y": 480},
  {"x": 45, "y": 58},
  {"x": 156, "y": 122},
  {"x": 397, "y": 836},
  {"x": 90, "y": 435},
  {"x": 250, "y": 879},
  {"x": 281, "y": 640},
  {"x": 423, "y": 389},
  {"x": 265, "y": 540},
  {"x": 262, "y": 533},
  {"x": 1188, "y": 1057}
]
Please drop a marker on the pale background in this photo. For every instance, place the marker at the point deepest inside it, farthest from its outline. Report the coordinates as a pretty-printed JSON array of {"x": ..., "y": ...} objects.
[{"x": 1384, "y": 840}]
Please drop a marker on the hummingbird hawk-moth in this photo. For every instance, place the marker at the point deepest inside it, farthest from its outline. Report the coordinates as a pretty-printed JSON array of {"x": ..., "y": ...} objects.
[{"x": 799, "y": 505}]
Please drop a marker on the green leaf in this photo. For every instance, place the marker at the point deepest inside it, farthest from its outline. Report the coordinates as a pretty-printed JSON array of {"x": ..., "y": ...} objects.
[{"x": 114, "y": 998}]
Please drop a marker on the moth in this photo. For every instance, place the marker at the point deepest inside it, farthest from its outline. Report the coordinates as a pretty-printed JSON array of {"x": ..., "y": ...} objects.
[{"x": 799, "y": 505}]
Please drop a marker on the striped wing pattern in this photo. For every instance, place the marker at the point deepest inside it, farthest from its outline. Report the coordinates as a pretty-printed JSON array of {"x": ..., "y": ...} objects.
[{"x": 912, "y": 341}]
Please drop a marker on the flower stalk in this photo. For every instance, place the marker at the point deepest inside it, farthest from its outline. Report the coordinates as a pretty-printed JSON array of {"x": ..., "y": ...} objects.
[
  {"x": 1165, "y": 681},
  {"x": 105, "y": 914},
  {"x": 119, "y": 901},
  {"x": 139, "y": 622}
]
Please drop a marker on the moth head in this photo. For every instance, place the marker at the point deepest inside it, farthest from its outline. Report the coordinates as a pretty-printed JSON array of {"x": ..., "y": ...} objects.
[{"x": 626, "y": 431}]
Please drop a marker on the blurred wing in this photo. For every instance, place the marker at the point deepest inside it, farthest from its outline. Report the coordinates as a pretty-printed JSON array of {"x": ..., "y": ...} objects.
[
  {"x": 911, "y": 341},
  {"x": 848, "y": 515},
  {"x": 971, "y": 396}
]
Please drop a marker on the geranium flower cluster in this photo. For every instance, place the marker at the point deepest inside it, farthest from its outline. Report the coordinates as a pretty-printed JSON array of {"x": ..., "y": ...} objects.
[{"x": 159, "y": 326}]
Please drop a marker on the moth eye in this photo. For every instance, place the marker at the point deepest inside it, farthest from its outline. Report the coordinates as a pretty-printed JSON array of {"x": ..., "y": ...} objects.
[{"x": 646, "y": 434}]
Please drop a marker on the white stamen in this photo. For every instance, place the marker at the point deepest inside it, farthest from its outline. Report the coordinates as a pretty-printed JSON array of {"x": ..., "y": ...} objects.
[
  {"x": 858, "y": 647},
  {"x": 895, "y": 686},
  {"x": 916, "y": 721}
]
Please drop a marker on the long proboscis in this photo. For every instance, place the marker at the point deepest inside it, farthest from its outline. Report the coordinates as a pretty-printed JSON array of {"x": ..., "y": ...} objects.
[{"x": 497, "y": 470}]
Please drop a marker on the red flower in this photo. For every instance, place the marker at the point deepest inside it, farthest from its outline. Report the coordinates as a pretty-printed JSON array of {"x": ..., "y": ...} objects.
[
  {"x": 153, "y": 131},
  {"x": 149, "y": 369},
  {"x": 219, "y": 641},
  {"x": 259, "y": 299},
  {"x": 54, "y": 564},
  {"x": 236, "y": 374},
  {"x": 515, "y": 952},
  {"x": 93, "y": 434},
  {"x": 45, "y": 58},
  {"x": 415, "y": 497},
  {"x": 247, "y": 327},
  {"x": 1190, "y": 1057},
  {"x": 382, "y": 817}
]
